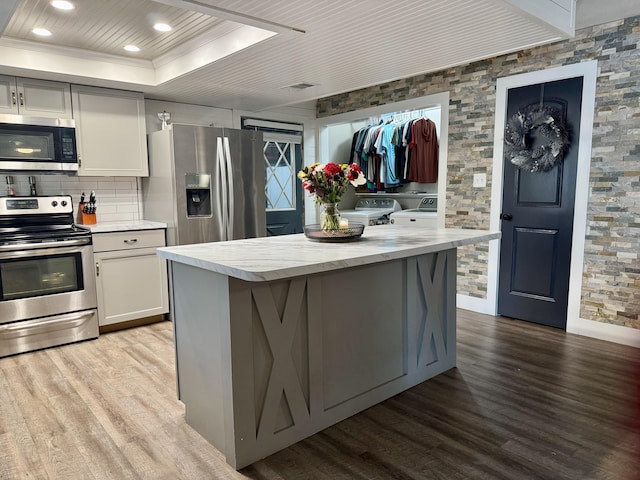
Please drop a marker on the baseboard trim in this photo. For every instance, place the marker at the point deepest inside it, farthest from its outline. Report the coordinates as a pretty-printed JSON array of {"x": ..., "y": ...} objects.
[
  {"x": 479, "y": 305},
  {"x": 133, "y": 323},
  {"x": 588, "y": 328},
  {"x": 605, "y": 331}
]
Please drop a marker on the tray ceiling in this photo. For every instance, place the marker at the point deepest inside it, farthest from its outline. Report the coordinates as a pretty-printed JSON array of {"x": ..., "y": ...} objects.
[
  {"x": 209, "y": 59},
  {"x": 104, "y": 26}
]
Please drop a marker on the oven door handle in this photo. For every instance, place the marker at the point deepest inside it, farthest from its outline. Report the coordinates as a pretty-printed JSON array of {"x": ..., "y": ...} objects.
[{"x": 33, "y": 246}]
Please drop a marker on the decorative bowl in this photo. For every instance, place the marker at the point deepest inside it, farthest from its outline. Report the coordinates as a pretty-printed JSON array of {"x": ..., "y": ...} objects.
[{"x": 346, "y": 234}]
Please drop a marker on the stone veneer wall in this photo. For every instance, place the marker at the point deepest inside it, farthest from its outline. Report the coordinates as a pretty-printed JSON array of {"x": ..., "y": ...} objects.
[{"x": 611, "y": 277}]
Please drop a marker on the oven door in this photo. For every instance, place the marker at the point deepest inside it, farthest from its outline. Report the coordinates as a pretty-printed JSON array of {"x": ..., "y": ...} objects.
[{"x": 45, "y": 279}]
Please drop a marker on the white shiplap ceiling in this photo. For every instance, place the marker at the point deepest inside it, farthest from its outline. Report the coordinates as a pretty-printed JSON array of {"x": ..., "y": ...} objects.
[
  {"x": 336, "y": 45},
  {"x": 103, "y": 26}
]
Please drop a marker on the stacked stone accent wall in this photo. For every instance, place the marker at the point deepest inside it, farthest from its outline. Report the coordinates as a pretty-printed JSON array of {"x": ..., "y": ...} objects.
[{"x": 611, "y": 277}]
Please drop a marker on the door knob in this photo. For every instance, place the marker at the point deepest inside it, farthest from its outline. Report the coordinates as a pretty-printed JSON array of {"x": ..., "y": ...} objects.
[{"x": 506, "y": 216}]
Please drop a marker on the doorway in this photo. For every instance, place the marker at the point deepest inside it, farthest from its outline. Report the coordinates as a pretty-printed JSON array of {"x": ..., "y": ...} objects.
[
  {"x": 588, "y": 72},
  {"x": 282, "y": 153},
  {"x": 538, "y": 200},
  {"x": 283, "y": 157}
]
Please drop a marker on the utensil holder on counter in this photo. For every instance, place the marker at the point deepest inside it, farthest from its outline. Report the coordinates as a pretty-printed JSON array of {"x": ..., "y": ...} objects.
[{"x": 85, "y": 218}]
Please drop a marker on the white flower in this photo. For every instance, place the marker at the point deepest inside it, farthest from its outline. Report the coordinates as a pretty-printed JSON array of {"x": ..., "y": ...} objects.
[{"x": 361, "y": 180}]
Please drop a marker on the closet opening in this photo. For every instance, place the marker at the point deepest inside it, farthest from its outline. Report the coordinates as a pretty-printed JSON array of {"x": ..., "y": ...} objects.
[{"x": 339, "y": 143}]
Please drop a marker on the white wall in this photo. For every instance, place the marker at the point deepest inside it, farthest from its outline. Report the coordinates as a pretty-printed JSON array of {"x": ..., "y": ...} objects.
[{"x": 339, "y": 141}]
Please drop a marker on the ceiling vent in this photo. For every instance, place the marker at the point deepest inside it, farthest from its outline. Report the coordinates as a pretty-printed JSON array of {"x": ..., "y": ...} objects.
[{"x": 301, "y": 85}]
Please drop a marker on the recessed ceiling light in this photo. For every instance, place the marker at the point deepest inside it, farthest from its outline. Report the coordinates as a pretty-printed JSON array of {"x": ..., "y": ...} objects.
[
  {"x": 41, "y": 32},
  {"x": 162, "y": 27},
  {"x": 62, "y": 5},
  {"x": 131, "y": 48}
]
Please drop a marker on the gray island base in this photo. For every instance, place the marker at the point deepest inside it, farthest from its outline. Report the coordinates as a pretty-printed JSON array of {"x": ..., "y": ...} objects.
[{"x": 278, "y": 338}]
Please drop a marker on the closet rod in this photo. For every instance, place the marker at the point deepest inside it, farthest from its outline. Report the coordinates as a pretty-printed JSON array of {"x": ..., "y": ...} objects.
[{"x": 397, "y": 117}]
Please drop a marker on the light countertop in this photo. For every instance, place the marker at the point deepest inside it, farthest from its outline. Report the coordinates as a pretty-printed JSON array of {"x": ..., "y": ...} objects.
[
  {"x": 105, "y": 227},
  {"x": 272, "y": 258}
]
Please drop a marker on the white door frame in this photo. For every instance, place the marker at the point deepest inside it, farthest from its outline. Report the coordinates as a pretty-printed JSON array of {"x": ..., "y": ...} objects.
[{"x": 589, "y": 72}]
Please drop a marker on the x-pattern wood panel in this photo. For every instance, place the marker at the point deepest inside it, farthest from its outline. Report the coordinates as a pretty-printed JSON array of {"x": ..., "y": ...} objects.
[
  {"x": 431, "y": 275},
  {"x": 281, "y": 336},
  {"x": 283, "y": 378}
]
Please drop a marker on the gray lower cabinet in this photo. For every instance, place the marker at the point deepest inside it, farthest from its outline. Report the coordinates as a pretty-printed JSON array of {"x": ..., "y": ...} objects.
[{"x": 131, "y": 279}]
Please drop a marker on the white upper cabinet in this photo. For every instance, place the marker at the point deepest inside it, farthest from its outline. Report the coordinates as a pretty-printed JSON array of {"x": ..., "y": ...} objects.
[
  {"x": 37, "y": 98},
  {"x": 110, "y": 132}
]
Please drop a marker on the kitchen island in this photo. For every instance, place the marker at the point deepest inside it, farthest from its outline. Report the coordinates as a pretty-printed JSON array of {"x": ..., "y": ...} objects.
[{"x": 278, "y": 338}]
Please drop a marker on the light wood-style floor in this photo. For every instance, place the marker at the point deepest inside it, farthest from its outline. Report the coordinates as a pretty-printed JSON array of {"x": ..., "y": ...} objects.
[{"x": 525, "y": 402}]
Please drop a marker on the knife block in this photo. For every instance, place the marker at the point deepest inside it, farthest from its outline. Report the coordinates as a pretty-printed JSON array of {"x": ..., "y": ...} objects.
[{"x": 85, "y": 218}]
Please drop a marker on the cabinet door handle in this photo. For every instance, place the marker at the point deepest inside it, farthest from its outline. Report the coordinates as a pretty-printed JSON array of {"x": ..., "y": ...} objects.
[
  {"x": 97, "y": 269},
  {"x": 131, "y": 241},
  {"x": 21, "y": 99},
  {"x": 13, "y": 97}
]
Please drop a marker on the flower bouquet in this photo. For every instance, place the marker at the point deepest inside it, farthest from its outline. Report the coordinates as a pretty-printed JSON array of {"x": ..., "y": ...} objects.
[{"x": 327, "y": 183}]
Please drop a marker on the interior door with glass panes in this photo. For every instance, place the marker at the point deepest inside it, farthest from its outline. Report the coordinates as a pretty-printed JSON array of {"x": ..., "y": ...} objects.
[{"x": 283, "y": 157}]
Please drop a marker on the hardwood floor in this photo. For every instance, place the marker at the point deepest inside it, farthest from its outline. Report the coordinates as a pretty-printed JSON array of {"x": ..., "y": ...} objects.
[{"x": 525, "y": 402}]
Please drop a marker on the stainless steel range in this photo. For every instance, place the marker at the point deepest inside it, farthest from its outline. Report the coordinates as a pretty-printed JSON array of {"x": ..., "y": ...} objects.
[{"x": 47, "y": 283}]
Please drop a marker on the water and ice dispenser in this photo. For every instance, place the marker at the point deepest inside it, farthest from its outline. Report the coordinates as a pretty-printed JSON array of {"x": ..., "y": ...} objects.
[{"x": 198, "y": 187}]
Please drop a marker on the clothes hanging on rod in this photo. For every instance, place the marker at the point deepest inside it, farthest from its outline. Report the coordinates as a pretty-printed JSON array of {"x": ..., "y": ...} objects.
[
  {"x": 393, "y": 153},
  {"x": 423, "y": 164}
]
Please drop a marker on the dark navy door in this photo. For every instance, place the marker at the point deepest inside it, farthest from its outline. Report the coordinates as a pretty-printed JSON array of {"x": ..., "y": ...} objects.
[
  {"x": 537, "y": 213},
  {"x": 283, "y": 154}
]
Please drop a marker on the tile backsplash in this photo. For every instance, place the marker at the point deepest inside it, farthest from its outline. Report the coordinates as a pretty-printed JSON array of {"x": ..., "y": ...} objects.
[{"x": 117, "y": 198}]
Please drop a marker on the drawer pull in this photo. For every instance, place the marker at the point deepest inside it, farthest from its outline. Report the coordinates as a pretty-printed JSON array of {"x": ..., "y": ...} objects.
[{"x": 131, "y": 241}]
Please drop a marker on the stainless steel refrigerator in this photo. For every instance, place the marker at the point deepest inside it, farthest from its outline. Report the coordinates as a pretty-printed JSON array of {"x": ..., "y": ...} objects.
[{"x": 206, "y": 183}]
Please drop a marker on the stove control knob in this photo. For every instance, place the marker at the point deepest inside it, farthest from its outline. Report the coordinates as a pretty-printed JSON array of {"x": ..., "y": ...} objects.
[
  {"x": 63, "y": 203},
  {"x": 54, "y": 204}
]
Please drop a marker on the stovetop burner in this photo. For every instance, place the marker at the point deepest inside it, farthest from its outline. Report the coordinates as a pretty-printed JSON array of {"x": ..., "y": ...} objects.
[
  {"x": 38, "y": 219},
  {"x": 52, "y": 233}
]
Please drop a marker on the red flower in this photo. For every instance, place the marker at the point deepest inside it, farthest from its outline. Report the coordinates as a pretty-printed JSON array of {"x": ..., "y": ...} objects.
[
  {"x": 331, "y": 169},
  {"x": 328, "y": 182}
]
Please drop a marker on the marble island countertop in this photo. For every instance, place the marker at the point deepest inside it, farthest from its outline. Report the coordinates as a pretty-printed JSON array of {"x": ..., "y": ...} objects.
[
  {"x": 273, "y": 258},
  {"x": 105, "y": 227}
]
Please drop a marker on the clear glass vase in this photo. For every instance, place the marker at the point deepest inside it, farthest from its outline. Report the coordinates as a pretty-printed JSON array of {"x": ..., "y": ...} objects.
[{"x": 329, "y": 216}]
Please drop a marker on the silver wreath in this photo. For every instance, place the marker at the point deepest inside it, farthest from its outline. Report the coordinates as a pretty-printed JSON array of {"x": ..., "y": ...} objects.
[{"x": 521, "y": 127}]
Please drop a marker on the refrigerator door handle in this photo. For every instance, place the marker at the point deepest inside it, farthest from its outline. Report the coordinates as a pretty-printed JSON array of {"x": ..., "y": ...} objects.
[
  {"x": 221, "y": 187},
  {"x": 230, "y": 198}
]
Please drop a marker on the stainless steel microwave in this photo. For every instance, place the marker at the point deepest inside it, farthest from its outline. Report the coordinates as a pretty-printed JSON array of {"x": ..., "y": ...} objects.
[{"x": 34, "y": 144}]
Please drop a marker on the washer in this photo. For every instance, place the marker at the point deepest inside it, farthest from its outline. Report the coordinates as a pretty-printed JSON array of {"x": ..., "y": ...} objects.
[
  {"x": 372, "y": 211},
  {"x": 426, "y": 215}
]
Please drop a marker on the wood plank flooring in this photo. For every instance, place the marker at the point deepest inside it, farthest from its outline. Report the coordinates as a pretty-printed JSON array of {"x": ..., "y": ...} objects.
[{"x": 525, "y": 402}]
